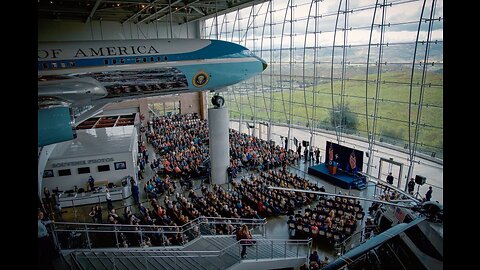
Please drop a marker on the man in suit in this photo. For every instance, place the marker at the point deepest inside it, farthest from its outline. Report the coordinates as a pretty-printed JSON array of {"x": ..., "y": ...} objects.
[
  {"x": 390, "y": 179},
  {"x": 411, "y": 186},
  {"x": 428, "y": 195}
]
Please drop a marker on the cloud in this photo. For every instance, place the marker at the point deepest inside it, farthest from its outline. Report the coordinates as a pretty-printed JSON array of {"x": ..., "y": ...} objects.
[{"x": 401, "y": 20}]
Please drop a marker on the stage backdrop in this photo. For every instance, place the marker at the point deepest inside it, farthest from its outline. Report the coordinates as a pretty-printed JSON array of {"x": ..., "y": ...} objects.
[{"x": 344, "y": 159}]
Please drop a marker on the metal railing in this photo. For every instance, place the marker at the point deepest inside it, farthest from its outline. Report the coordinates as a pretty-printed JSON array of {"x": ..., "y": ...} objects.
[
  {"x": 355, "y": 239},
  {"x": 222, "y": 259},
  {"x": 69, "y": 235}
]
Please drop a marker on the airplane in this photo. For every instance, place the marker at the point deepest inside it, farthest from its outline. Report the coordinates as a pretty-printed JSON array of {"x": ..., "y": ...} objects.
[
  {"x": 409, "y": 235},
  {"x": 94, "y": 73}
]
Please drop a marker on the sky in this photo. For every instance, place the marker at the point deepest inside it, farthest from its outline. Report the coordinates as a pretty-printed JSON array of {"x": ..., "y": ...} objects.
[{"x": 400, "y": 20}]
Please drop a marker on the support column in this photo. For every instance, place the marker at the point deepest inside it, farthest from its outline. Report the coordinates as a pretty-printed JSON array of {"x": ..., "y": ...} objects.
[
  {"x": 219, "y": 145},
  {"x": 240, "y": 124},
  {"x": 202, "y": 100},
  {"x": 143, "y": 109},
  {"x": 289, "y": 136},
  {"x": 269, "y": 133}
]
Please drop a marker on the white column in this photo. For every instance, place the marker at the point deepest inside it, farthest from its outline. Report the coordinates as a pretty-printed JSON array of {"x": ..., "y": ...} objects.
[{"x": 219, "y": 147}]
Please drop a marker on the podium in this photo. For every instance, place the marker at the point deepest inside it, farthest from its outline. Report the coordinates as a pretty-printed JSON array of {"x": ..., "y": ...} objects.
[{"x": 332, "y": 169}]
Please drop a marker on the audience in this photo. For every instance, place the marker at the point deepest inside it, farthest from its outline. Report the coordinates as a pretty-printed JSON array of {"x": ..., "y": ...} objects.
[{"x": 181, "y": 150}]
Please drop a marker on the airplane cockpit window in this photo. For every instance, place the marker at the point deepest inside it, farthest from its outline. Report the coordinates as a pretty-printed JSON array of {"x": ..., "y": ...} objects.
[{"x": 247, "y": 53}]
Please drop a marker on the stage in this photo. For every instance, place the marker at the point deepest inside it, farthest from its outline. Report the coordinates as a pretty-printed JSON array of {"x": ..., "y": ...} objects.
[{"x": 341, "y": 178}]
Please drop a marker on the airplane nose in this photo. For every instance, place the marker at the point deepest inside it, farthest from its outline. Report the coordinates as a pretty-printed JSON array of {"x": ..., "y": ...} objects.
[{"x": 264, "y": 65}]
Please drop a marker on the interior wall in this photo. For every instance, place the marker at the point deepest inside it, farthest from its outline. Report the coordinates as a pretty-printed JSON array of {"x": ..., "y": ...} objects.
[
  {"x": 189, "y": 102},
  {"x": 52, "y": 30},
  {"x": 80, "y": 180}
]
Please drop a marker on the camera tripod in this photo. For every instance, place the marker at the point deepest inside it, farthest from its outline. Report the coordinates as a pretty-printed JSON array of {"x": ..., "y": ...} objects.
[{"x": 418, "y": 192}]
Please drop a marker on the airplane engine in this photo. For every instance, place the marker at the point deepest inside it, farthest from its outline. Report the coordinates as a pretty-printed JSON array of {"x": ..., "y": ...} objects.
[{"x": 55, "y": 124}]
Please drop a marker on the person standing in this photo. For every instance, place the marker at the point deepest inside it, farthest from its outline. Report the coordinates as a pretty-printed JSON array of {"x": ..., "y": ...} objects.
[
  {"x": 48, "y": 199},
  {"x": 411, "y": 186},
  {"x": 428, "y": 195},
  {"x": 244, "y": 236},
  {"x": 299, "y": 151},
  {"x": 390, "y": 178},
  {"x": 317, "y": 155},
  {"x": 45, "y": 249},
  {"x": 109, "y": 201},
  {"x": 135, "y": 191},
  {"x": 98, "y": 214},
  {"x": 91, "y": 183}
]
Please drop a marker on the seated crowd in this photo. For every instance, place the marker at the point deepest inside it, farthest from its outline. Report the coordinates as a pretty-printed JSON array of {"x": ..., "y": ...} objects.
[
  {"x": 255, "y": 193},
  {"x": 334, "y": 218},
  {"x": 181, "y": 144},
  {"x": 254, "y": 153}
]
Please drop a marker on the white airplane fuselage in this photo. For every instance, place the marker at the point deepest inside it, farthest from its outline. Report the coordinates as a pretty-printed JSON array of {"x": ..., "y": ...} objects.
[{"x": 127, "y": 69}]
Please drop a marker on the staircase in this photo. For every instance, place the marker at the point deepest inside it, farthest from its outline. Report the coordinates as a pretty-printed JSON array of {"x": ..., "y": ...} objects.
[
  {"x": 359, "y": 183},
  {"x": 204, "y": 253},
  {"x": 102, "y": 247}
]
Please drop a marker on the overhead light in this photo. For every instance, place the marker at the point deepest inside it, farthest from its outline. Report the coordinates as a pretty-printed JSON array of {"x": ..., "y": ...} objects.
[
  {"x": 51, "y": 2},
  {"x": 118, "y": 5},
  {"x": 142, "y": 6}
]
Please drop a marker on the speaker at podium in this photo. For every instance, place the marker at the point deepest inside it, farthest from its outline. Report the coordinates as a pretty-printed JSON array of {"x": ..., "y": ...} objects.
[{"x": 420, "y": 180}]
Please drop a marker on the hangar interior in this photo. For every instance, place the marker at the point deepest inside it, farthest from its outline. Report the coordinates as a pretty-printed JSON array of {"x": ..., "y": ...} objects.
[{"x": 367, "y": 74}]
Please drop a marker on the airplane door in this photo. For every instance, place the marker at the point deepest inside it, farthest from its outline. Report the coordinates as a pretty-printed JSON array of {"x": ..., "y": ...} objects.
[{"x": 390, "y": 166}]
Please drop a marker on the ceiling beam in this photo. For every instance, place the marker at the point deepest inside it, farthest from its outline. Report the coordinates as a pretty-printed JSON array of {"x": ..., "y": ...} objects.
[
  {"x": 93, "y": 10},
  {"x": 160, "y": 11},
  {"x": 175, "y": 11},
  {"x": 219, "y": 5},
  {"x": 140, "y": 2},
  {"x": 239, "y": 5},
  {"x": 141, "y": 11},
  {"x": 64, "y": 10},
  {"x": 197, "y": 10}
]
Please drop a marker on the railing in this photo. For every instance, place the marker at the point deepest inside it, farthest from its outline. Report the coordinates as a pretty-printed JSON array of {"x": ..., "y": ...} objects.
[
  {"x": 224, "y": 258},
  {"x": 264, "y": 248},
  {"x": 361, "y": 234},
  {"x": 68, "y": 235}
]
